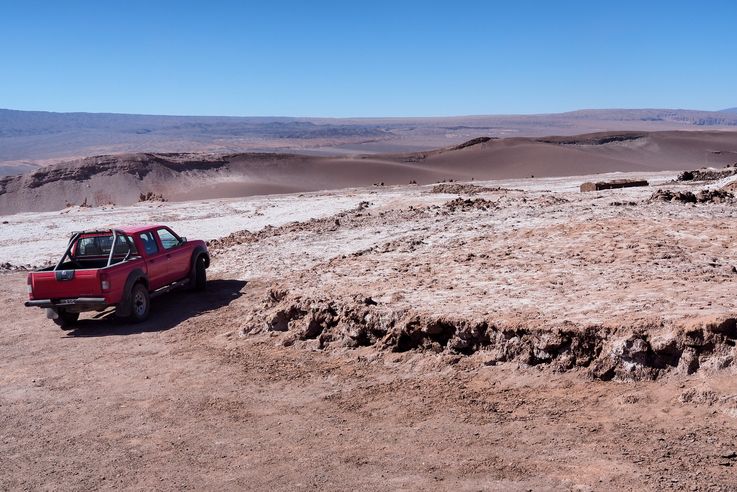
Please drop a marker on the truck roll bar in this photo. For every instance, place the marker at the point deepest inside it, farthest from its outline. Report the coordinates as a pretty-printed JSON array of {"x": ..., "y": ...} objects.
[
  {"x": 75, "y": 236},
  {"x": 112, "y": 248}
]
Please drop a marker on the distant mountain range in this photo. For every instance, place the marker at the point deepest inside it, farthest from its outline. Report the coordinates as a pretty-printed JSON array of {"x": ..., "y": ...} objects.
[
  {"x": 729, "y": 110},
  {"x": 29, "y": 139}
]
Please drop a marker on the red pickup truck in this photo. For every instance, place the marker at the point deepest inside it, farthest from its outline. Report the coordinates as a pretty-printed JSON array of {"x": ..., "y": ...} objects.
[{"x": 121, "y": 267}]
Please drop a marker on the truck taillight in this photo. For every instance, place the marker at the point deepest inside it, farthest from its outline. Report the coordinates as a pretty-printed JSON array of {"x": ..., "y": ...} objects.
[
  {"x": 104, "y": 282},
  {"x": 29, "y": 286}
]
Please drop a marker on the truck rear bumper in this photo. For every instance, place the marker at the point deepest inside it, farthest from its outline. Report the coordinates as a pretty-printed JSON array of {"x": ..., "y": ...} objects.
[{"x": 78, "y": 304}]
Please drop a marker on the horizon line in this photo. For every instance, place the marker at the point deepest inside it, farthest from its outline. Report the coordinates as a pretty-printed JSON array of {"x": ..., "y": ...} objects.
[{"x": 477, "y": 115}]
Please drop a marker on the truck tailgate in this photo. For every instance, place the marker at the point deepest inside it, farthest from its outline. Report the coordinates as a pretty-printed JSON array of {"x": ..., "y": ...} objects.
[{"x": 54, "y": 285}]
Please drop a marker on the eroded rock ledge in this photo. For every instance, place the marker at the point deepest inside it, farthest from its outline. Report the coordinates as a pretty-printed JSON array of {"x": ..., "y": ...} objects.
[{"x": 648, "y": 351}]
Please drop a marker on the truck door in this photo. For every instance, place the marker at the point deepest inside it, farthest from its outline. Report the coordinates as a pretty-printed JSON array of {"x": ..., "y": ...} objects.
[
  {"x": 156, "y": 261},
  {"x": 178, "y": 257}
]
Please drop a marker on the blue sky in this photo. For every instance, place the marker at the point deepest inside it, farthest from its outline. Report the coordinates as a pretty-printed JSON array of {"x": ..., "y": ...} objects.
[{"x": 377, "y": 58}]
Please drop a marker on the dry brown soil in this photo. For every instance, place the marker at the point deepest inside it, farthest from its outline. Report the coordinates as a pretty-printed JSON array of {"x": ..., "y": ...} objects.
[{"x": 484, "y": 392}]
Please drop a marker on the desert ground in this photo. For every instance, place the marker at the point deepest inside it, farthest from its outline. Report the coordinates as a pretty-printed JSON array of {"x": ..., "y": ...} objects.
[{"x": 489, "y": 335}]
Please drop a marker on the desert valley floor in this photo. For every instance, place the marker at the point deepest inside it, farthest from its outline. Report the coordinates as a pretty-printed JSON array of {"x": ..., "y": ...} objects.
[{"x": 497, "y": 335}]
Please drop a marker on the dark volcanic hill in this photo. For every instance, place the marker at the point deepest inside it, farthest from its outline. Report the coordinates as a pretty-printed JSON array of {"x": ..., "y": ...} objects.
[
  {"x": 29, "y": 139},
  {"x": 121, "y": 179}
]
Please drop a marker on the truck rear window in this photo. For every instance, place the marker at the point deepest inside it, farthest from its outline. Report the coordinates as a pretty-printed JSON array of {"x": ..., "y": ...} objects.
[{"x": 100, "y": 246}]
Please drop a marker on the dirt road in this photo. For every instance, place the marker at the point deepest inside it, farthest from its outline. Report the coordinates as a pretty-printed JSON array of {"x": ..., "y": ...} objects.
[{"x": 182, "y": 402}]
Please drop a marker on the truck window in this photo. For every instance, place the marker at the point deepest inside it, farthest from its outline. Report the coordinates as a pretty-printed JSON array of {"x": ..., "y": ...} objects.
[
  {"x": 100, "y": 246},
  {"x": 168, "y": 240},
  {"x": 149, "y": 243}
]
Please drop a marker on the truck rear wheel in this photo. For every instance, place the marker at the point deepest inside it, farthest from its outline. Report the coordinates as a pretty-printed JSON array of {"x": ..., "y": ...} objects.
[
  {"x": 140, "y": 303},
  {"x": 65, "y": 319}
]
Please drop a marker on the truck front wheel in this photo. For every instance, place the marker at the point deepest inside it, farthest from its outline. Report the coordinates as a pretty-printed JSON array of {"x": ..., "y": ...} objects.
[
  {"x": 140, "y": 303},
  {"x": 200, "y": 274},
  {"x": 65, "y": 319}
]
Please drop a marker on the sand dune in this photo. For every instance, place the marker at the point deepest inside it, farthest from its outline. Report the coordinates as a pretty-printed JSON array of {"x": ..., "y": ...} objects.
[
  {"x": 121, "y": 179},
  {"x": 29, "y": 139}
]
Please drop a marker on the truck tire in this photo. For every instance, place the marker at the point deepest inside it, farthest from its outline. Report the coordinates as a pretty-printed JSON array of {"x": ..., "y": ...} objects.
[
  {"x": 66, "y": 320},
  {"x": 200, "y": 274},
  {"x": 140, "y": 303}
]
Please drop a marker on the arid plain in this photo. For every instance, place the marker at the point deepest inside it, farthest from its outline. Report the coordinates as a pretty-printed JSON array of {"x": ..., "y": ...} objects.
[{"x": 512, "y": 334}]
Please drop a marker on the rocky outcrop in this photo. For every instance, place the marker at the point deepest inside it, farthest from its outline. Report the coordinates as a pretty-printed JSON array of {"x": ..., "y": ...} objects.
[
  {"x": 703, "y": 196},
  {"x": 472, "y": 142},
  {"x": 707, "y": 174},
  {"x": 606, "y": 353},
  {"x": 616, "y": 183},
  {"x": 462, "y": 188},
  {"x": 601, "y": 138}
]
